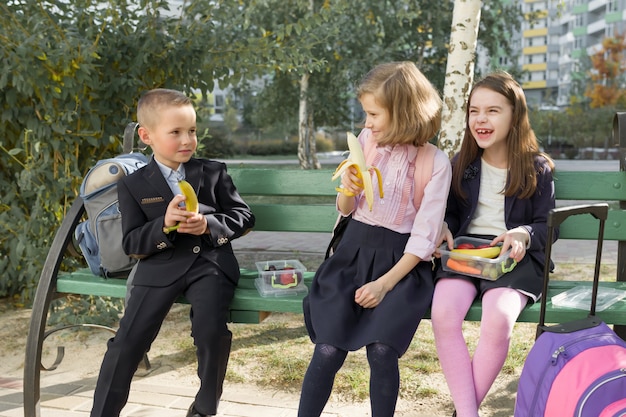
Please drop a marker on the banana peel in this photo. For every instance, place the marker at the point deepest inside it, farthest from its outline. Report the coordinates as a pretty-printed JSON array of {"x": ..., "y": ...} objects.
[
  {"x": 191, "y": 202},
  {"x": 490, "y": 252},
  {"x": 357, "y": 160}
]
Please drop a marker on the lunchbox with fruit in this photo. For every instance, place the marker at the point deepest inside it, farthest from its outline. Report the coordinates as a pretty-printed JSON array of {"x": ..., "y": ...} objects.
[
  {"x": 475, "y": 257},
  {"x": 280, "y": 278}
]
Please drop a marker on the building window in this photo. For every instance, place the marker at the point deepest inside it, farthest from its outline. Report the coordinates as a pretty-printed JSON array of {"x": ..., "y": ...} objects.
[
  {"x": 578, "y": 42},
  {"x": 538, "y": 76},
  {"x": 611, "y": 6},
  {"x": 579, "y": 20},
  {"x": 610, "y": 31},
  {"x": 219, "y": 104}
]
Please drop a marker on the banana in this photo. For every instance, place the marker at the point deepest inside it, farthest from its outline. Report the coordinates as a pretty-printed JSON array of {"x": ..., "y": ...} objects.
[
  {"x": 191, "y": 199},
  {"x": 491, "y": 252},
  {"x": 191, "y": 202},
  {"x": 357, "y": 159}
]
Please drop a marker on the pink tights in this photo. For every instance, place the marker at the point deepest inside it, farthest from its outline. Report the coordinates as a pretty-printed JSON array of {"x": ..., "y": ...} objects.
[{"x": 470, "y": 378}]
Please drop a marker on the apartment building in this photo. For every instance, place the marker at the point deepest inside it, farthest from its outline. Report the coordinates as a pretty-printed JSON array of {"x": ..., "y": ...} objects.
[{"x": 554, "y": 47}]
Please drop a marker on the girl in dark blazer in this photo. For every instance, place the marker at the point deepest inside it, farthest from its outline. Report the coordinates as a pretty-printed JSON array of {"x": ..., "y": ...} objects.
[
  {"x": 196, "y": 260},
  {"x": 502, "y": 190}
]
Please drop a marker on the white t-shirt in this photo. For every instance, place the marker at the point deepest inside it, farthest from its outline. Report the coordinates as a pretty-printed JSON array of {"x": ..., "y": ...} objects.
[{"x": 489, "y": 215}]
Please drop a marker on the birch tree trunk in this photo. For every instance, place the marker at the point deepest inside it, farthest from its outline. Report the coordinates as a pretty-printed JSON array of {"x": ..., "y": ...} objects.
[
  {"x": 459, "y": 73},
  {"x": 303, "y": 121},
  {"x": 315, "y": 163},
  {"x": 306, "y": 139}
]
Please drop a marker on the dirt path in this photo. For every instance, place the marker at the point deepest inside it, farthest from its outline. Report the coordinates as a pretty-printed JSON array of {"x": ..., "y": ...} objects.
[{"x": 174, "y": 361}]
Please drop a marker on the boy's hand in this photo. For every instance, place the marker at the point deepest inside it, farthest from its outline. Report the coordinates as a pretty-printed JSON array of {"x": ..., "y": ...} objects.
[{"x": 191, "y": 223}]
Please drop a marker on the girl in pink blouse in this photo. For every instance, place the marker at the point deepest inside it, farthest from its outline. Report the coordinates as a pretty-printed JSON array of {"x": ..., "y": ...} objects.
[{"x": 376, "y": 287}]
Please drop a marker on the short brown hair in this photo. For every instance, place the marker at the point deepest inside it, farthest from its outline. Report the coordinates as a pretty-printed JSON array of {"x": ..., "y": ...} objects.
[
  {"x": 413, "y": 103},
  {"x": 154, "y": 100}
]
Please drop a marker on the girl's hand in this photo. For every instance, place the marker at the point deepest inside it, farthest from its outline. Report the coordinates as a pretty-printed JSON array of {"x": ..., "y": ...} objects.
[
  {"x": 370, "y": 294},
  {"x": 515, "y": 239},
  {"x": 444, "y": 235},
  {"x": 351, "y": 182}
]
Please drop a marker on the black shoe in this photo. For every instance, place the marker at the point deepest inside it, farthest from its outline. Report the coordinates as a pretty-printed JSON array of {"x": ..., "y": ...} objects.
[{"x": 192, "y": 412}]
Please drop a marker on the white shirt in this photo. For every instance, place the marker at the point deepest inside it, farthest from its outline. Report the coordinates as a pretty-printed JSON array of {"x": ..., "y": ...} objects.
[{"x": 489, "y": 215}]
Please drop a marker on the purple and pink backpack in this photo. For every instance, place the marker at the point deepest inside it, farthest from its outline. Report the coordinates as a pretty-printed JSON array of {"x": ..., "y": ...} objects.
[
  {"x": 579, "y": 374},
  {"x": 578, "y": 368}
]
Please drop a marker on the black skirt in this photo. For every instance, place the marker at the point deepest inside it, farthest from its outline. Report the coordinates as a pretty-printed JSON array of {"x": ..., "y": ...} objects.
[{"x": 363, "y": 255}]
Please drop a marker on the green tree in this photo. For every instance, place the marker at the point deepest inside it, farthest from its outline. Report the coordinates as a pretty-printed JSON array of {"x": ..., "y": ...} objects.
[
  {"x": 371, "y": 32},
  {"x": 72, "y": 73}
]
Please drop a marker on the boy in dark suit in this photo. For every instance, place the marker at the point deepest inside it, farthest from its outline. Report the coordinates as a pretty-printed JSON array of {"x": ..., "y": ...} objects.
[{"x": 196, "y": 260}]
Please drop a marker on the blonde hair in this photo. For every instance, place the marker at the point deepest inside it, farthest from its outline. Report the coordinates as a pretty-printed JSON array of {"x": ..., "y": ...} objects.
[
  {"x": 413, "y": 103},
  {"x": 155, "y": 100}
]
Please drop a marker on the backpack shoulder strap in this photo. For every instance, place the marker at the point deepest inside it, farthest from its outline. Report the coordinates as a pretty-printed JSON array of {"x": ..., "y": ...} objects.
[
  {"x": 424, "y": 163},
  {"x": 368, "y": 145}
]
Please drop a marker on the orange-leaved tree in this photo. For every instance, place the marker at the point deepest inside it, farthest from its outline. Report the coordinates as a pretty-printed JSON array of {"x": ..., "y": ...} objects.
[{"x": 607, "y": 86}]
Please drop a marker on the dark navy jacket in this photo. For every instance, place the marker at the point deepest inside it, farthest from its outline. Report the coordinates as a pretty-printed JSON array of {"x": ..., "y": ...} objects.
[{"x": 530, "y": 213}]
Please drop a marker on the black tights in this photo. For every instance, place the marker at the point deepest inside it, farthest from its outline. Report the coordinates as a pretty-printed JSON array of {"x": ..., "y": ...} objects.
[{"x": 326, "y": 362}]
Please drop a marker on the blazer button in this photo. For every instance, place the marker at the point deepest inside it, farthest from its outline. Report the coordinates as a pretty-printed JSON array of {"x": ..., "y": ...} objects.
[
  {"x": 196, "y": 249},
  {"x": 161, "y": 245}
]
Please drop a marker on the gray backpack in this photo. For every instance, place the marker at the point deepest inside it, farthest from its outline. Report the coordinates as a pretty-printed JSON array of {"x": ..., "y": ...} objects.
[{"x": 100, "y": 236}]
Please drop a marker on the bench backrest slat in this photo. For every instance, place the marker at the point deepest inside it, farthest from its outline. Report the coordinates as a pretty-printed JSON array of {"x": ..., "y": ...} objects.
[
  {"x": 294, "y": 217},
  {"x": 277, "y": 182},
  {"x": 570, "y": 185},
  {"x": 271, "y": 194}
]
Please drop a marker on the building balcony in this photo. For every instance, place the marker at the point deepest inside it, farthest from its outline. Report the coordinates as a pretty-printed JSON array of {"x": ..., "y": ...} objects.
[
  {"x": 597, "y": 4},
  {"x": 595, "y": 27}
]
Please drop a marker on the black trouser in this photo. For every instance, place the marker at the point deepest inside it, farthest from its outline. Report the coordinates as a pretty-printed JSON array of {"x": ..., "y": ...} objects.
[{"x": 209, "y": 293}]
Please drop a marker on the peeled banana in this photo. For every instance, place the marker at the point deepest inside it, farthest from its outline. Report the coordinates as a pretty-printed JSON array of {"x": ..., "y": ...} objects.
[
  {"x": 191, "y": 202},
  {"x": 357, "y": 159},
  {"x": 490, "y": 252}
]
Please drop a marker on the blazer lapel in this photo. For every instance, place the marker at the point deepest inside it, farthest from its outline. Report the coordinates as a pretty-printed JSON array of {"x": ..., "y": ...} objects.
[
  {"x": 155, "y": 178},
  {"x": 193, "y": 174}
]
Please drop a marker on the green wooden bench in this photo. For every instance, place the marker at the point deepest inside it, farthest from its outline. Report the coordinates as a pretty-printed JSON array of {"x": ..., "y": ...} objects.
[{"x": 300, "y": 201}]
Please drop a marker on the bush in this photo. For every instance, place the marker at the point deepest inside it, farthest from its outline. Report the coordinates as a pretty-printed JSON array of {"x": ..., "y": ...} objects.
[
  {"x": 215, "y": 146},
  {"x": 273, "y": 147},
  {"x": 324, "y": 144}
]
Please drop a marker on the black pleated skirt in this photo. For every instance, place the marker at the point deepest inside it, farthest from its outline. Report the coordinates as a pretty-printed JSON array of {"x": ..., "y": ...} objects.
[{"x": 363, "y": 255}]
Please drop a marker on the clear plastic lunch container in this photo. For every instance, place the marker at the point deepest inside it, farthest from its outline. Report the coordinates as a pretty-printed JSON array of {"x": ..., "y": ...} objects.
[
  {"x": 280, "y": 278},
  {"x": 475, "y": 266}
]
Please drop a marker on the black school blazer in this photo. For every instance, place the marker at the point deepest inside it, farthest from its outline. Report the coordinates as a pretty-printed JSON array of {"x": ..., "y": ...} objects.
[{"x": 164, "y": 258}]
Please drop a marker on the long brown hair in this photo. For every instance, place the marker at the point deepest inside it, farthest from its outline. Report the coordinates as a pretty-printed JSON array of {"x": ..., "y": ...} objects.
[
  {"x": 522, "y": 145},
  {"x": 413, "y": 103}
]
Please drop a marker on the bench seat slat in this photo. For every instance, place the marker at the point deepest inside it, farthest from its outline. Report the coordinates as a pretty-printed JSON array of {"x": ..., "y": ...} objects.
[{"x": 247, "y": 302}]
